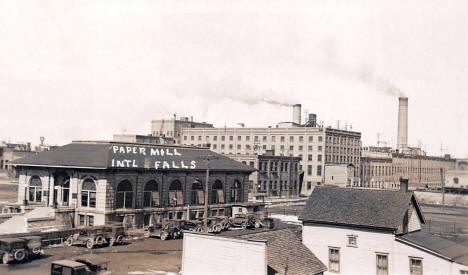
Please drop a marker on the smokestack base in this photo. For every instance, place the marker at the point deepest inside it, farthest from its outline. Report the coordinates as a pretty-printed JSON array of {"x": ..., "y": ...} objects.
[{"x": 403, "y": 185}]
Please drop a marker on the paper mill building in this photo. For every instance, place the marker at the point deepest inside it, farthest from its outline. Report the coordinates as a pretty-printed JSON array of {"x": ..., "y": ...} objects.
[{"x": 103, "y": 182}]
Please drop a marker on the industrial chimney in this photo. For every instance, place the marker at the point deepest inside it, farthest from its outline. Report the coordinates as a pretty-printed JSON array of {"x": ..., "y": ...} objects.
[
  {"x": 297, "y": 113},
  {"x": 402, "y": 139}
]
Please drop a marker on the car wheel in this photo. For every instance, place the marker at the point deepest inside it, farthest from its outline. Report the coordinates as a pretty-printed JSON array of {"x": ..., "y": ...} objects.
[
  {"x": 36, "y": 250},
  {"x": 147, "y": 234},
  {"x": 163, "y": 235},
  {"x": 69, "y": 241},
  {"x": 243, "y": 225},
  {"x": 119, "y": 239},
  {"x": 90, "y": 243},
  {"x": 199, "y": 229},
  {"x": 19, "y": 255},
  {"x": 257, "y": 224},
  {"x": 6, "y": 258}
]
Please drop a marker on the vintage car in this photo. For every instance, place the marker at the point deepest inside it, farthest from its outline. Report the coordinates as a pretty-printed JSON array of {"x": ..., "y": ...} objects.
[
  {"x": 248, "y": 216},
  {"x": 80, "y": 266},
  {"x": 217, "y": 224},
  {"x": 13, "y": 249},
  {"x": 114, "y": 234},
  {"x": 34, "y": 244},
  {"x": 165, "y": 230},
  {"x": 88, "y": 237}
]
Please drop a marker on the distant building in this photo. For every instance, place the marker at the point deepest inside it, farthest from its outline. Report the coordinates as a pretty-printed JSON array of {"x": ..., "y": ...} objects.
[
  {"x": 457, "y": 179},
  {"x": 277, "y": 176},
  {"x": 341, "y": 175},
  {"x": 10, "y": 152},
  {"x": 142, "y": 139},
  {"x": 363, "y": 231},
  {"x": 277, "y": 252},
  {"x": 172, "y": 128},
  {"x": 382, "y": 167},
  {"x": 44, "y": 147}
]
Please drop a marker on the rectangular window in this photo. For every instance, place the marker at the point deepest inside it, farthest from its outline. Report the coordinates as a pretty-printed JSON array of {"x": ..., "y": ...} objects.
[
  {"x": 416, "y": 267},
  {"x": 81, "y": 219},
  {"x": 199, "y": 138},
  {"x": 300, "y": 148},
  {"x": 310, "y": 148},
  {"x": 309, "y": 170},
  {"x": 256, "y": 138},
  {"x": 239, "y": 138},
  {"x": 319, "y": 157},
  {"x": 185, "y": 137},
  {"x": 319, "y": 170},
  {"x": 291, "y": 147},
  {"x": 222, "y": 146},
  {"x": 309, "y": 185},
  {"x": 247, "y": 138},
  {"x": 291, "y": 138},
  {"x": 282, "y": 138},
  {"x": 319, "y": 148},
  {"x": 214, "y": 146},
  {"x": 382, "y": 264},
  {"x": 231, "y": 138},
  {"x": 215, "y": 138},
  {"x": 309, "y": 157},
  {"x": 223, "y": 138},
  {"x": 301, "y": 138},
  {"x": 273, "y": 138},
  {"x": 311, "y": 138},
  {"x": 320, "y": 138},
  {"x": 230, "y": 146},
  {"x": 192, "y": 138},
  {"x": 463, "y": 272},
  {"x": 90, "y": 220},
  {"x": 264, "y": 138},
  {"x": 238, "y": 146},
  {"x": 352, "y": 239},
  {"x": 334, "y": 259}
]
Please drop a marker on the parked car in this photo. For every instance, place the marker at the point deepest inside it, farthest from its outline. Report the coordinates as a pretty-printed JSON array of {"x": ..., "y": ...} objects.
[
  {"x": 164, "y": 230},
  {"x": 248, "y": 216},
  {"x": 114, "y": 234},
  {"x": 88, "y": 236},
  {"x": 34, "y": 244},
  {"x": 81, "y": 266},
  {"x": 13, "y": 249}
]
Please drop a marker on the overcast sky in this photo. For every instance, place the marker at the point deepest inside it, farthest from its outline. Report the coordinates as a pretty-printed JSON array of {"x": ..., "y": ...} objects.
[{"x": 88, "y": 69}]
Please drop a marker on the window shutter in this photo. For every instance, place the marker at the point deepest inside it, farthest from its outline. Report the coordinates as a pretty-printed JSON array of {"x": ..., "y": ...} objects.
[
  {"x": 180, "y": 198},
  {"x": 220, "y": 196},
  {"x": 201, "y": 197},
  {"x": 155, "y": 198}
]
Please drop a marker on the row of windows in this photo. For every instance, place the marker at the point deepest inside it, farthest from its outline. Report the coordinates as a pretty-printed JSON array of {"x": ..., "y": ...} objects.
[
  {"x": 273, "y": 185},
  {"x": 390, "y": 170},
  {"x": 264, "y": 147},
  {"x": 283, "y": 166},
  {"x": 309, "y": 170},
  {"x": 342, "y": 150},
  {"x": 342, "y": 140},
  {"x": 342, "y": 159},
  {"x": 381, "y": 261},
  {"x": 255, "y": 138}
]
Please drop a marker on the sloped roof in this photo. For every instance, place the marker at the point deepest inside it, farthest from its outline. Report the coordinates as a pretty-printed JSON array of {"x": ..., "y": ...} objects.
[
  {"x": 286, "y": 251},
  {"x": 110, "y": 155},
  {"x": 447, "y": 248},
  {"x": 383, "y": 209}
]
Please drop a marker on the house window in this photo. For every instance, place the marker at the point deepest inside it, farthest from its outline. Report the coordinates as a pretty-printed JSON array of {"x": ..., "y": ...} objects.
[
  {"x": 239, "y": 138},
  {"x": 309, "y": 170},
  {"x": 416, "y": 267},
  {"x": 455, "y": 180},
  {"x": 124, "y": 195},
  {"x": 319, "y": 170},
  {"x": 352, "y": 239},
  {"x": 319, "y": 157},
  {"x": 309, "y": 157},
  {"x": 231, "y": 138},
  {"x": 382, "y": 264},
  {"x": 215, "y": 138},
  {"x": 291, "y": 138},
  {"x": 151, "y": 194},
  {"x": 334, "y": 259},
  {"x": 90, "y": 220},
  {"x": 88, "y": 193},
  {"x": 81, "y": 219},
  {"x": 311, "y": 138},
  {"x": 223, "y": 138}
]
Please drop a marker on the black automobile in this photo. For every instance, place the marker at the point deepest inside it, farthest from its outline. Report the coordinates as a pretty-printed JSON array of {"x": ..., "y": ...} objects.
[{"x": 13, "y": 249}]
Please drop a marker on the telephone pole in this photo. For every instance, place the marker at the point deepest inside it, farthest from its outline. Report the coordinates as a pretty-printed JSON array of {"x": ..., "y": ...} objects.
[{"x": 207, "y": 158}]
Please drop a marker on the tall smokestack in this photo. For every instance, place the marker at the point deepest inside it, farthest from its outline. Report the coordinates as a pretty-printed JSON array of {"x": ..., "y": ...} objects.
[
  {"x": 297, "y": 113},
  {"x": 402, "y": 139}
]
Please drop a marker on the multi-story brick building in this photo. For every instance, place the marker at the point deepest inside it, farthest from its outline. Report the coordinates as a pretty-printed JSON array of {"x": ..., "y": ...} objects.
[
  {"x": 382, "y": 167},
  {"x": 172, "y": 128},
  {"x": 277, "y": 176},
  {"x": 102, "y": 182},
  {"x": 314, "y": 145}
]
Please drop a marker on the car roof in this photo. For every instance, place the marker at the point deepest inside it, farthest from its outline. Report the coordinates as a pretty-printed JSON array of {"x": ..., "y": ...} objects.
[
  {"x": 68, "y": 263},
  {"x": 11, "y": 240}
]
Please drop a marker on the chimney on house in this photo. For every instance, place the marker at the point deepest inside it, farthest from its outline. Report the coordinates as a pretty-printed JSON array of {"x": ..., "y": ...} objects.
[{"x": 403, "y": 185}]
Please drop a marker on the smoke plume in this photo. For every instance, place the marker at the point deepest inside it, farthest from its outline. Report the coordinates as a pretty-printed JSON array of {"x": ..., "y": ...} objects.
[{"x": 368, "y": 77}]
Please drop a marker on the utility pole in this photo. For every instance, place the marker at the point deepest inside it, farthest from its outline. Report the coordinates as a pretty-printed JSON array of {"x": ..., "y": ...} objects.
[
  {"x": 442, "y": 177},
  {"x": 207, "y": 158}
]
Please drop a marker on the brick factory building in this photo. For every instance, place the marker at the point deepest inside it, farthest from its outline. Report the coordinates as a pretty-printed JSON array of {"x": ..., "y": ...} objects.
[
  {"x": 102, "y": 182},
  {"x": 277, "y": 176},
  {"x": 382, "y": 167},
  {"x": 315, "y": 145},
  {"x": 172, "y": 128}
]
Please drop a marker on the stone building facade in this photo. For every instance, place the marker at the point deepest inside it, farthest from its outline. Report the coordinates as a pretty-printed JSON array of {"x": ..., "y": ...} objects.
[
  {"x": 105, "y": 182},
  {"x": 276, "y": 176}
]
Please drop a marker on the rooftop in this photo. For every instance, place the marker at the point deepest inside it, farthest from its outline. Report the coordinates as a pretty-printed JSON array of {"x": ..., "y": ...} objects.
[
  {"x": 438, "y": 245},
  {"x": 119, "y": 155},
  {"x": 285, "y": 250},
  {"x": 380, "y": 209}
]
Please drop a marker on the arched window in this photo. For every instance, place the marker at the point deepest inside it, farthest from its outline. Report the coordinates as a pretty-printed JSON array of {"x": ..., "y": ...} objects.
[
  {"x": 151, "y": 194},
  {"x": 124, "y": 195},
  {"x": 65, "y": 191},
  {"x": 217, "y": 192},
  {"x": 88, "y": 193},
  {"x": 176, "y": 196},
  {"x": 236, "y": 192},
  {"x": 198, "y": 196},
  {"x": 35, "y": 189}
]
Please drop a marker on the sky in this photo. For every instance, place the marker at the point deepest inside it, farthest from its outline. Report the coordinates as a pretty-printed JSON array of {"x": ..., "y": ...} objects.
[{"x": 85, "y": 70}]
